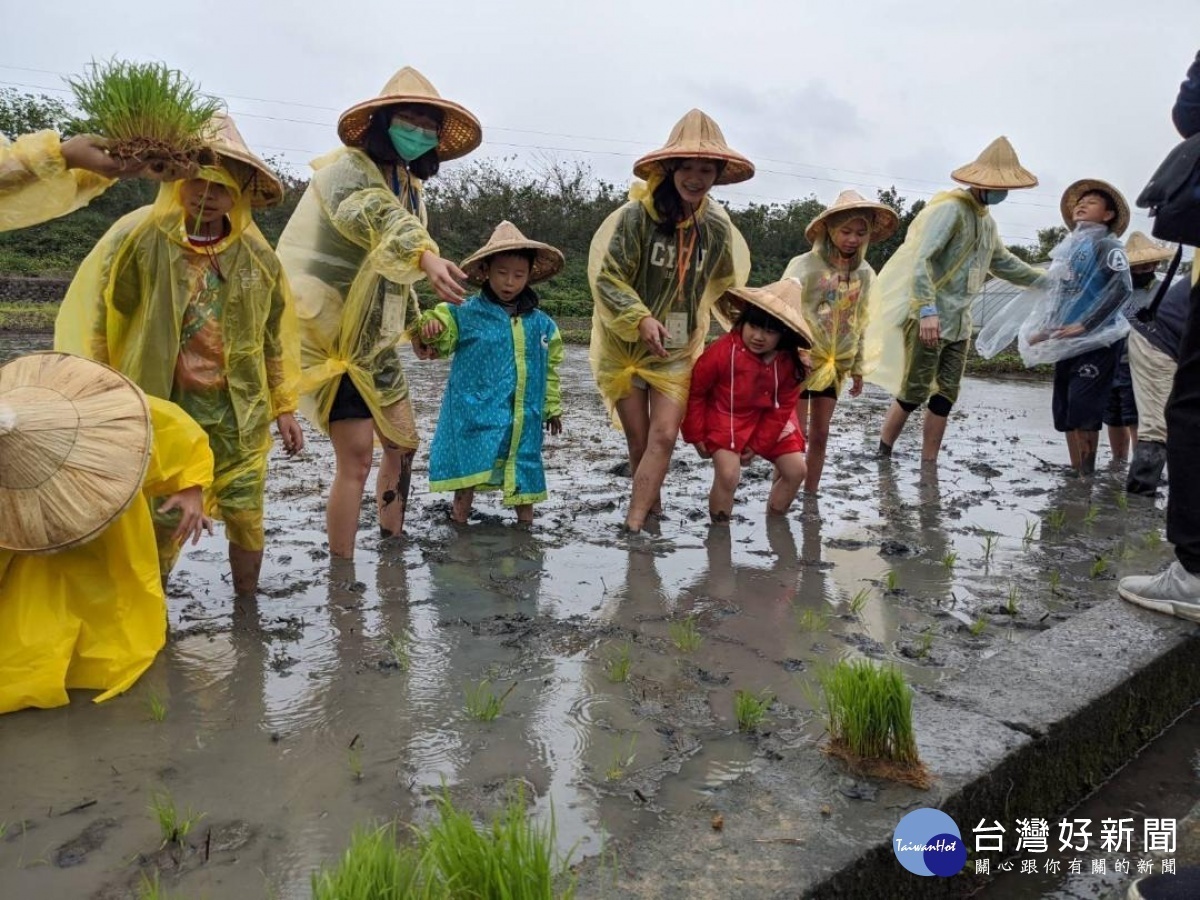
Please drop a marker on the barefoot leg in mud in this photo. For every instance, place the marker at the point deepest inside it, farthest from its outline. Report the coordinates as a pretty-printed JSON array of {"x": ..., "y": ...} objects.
[
  {"x": 460, "y": 509},
  {"x": 395, "y": 479}
]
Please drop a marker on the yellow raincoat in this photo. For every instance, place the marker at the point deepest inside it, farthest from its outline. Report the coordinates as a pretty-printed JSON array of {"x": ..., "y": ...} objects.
[
  {"x": 635, "y": 271},
  {"x": 136, "y": 304},
  {"x": 94, "y": 616},
  {"x": 352, "y": 251},
  {"x": 950, "y": 247},
  {"x": 36, "y": 185},
  {"x": 835, "y": 307}
]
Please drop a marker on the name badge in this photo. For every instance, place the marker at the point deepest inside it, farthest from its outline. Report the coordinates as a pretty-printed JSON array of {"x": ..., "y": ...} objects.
[
  {"x": 677, "y": 331},
  {"x": 975, "y": 276},
  {"x": 395, "y": 310}
]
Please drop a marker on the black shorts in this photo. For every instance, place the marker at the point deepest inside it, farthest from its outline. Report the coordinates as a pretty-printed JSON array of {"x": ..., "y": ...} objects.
[
  {"x": 348, "y": 403},
  {"x": 830, "y": 392},
  {"x": 1121, "y": 411},
  {"x": 1082, "y": 385}
]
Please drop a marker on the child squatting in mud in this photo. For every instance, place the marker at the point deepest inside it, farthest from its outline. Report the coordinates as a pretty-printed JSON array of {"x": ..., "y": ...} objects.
[
  {"x": 503, "y": 386},
  {"x": 742, "y": 401}
]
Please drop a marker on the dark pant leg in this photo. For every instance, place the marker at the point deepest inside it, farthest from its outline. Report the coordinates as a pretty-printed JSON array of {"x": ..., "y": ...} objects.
[{"x": 1183, "y": 445}]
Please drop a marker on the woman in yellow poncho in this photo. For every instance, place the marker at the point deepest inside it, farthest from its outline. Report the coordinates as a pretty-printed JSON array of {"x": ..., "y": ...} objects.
[
  {"x": 656, "y": 268},
  {"x": 352, "y": 250},
  {"x": 82, "y": 451},
  {"x": 837, "y": 281},
  {"x": 188, "y": 299}
]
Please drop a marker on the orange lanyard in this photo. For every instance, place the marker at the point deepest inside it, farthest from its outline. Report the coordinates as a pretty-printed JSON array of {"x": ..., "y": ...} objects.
[{"x": 683, "y": 258}]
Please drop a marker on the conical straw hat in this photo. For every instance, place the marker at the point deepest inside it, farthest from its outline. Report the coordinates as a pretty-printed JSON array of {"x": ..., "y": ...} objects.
[
  {"x": 1072, "y": 194},
  {"x": 881, "y": 219},
  {"x": 698, "y": 135},
  {"x": 505, "y": 239},
  {"x": 75, "y": 441},
  {"x": 783, "y": 300},
  {"x": 461, "y": 132},
  {"x": 996, "y": 169},
  {"x": 265, "y": 187},
  {"x": 1141, "y": 250}
]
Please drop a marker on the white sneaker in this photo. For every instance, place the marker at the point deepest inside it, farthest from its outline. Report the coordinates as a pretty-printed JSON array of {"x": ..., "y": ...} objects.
[{"x": 1175, "y": 591}]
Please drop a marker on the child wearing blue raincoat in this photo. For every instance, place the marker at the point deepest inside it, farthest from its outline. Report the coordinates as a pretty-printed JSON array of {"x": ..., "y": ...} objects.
[
  {"x": 1072, "y": 317},
  {"x": 504, "y": 386}
]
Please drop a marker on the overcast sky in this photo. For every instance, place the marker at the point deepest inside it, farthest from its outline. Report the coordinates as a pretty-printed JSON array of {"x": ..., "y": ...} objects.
[{"x": 820, "y": 96}]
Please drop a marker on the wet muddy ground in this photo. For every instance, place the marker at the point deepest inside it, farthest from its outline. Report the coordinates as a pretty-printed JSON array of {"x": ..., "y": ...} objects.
[{"x": 338, "y": 697}]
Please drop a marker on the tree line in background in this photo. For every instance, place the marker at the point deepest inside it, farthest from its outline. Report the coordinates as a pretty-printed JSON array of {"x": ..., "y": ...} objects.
[{"x": 562, "y": 203}]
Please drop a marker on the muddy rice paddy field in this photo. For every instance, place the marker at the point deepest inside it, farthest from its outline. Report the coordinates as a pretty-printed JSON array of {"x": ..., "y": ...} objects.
[{"x": 338, "y": 698}]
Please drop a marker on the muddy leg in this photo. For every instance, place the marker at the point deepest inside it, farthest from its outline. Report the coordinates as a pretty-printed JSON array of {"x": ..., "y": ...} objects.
[
  {"x": 818, "y": 438},
  {"x": 460, "y": 509},
  {"x": 1073, "y": 449},
  {"x": 665, "y": 418},
  {"x": 1118, "y": 442},
  {"x": 245, "y": 566},
  {"x": 893, "y": 424},
  {"x": 353, "y": 447},
  {"x": 791, "y": 471},
  {"x": 1087, "y": 442},
  {"x": 525, "y": 513},
  {"x": 727, "y": 472},
  {"x": 931, "y": 438},
  {"x": 391, "y": 492}
]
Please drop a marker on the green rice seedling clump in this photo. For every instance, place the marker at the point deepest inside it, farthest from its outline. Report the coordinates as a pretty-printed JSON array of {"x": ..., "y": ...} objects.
[
  {"x": 750, "y": 709},
  {"x": 148, "y": 111},
  {"x": 483, "y": 703},
  {"x": 868, "y": 710},
  {"x": 513, "y": 858},
  {"x": 375, "y": 867},
  {"x": 618, "y": 663},
  {"x": 685, "y": 635}
]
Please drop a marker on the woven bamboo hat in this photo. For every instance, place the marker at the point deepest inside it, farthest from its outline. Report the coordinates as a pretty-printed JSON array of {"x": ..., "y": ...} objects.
[
  {"x": 461, "y": 132},
  {"x": 1141, "y": 250},
  {"x": 1072, "y": 194},
  {"x": 74, "y": 445},
  {"x": 996, "y": 169},
  {"x": 506, "y": 239},
  {"x": 881, "y": 219},
  {"x": 697, "y": 135},
  {"x": 264, "y": 186},
  {"x": 783, "y": 300}
]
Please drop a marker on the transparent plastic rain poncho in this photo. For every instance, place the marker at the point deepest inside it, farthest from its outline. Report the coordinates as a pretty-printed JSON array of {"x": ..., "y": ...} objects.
[
  {"x": 1084, "y": 291},
  {"x": 634, "y": 271},
  {"x": 835, "y": 307},
  {"x": 352, "y": 251},
  {"x": 36, "y": 185},
  {"x": 94, "y": 616},
  {"x": 950, "y": 247},
  {"x": 130, "y": 305}
]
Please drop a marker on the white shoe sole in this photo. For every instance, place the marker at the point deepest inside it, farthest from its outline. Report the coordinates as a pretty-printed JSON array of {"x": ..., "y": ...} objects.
[{"x": 1187, "y": 611}]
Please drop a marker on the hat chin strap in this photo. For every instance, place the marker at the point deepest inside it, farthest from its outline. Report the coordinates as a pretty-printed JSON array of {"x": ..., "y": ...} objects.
[{"x": 8, "y": 419}]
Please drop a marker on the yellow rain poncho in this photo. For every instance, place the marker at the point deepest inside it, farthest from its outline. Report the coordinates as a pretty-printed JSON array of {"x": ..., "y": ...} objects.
[
  {"x": 636, "y": 271},
  {"x": 212, "y": 330},
  {"x": 835, "y": 307},
  {"x": 36, "y": 185},
  {"x": 950, "y": 247},
  {"x": 352, "y": 251},
  {"x": 94, "y": 616}
]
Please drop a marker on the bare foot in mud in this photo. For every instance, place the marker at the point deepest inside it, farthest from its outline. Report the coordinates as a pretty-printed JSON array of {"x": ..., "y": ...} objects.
[{"x": 460, "y": 509}]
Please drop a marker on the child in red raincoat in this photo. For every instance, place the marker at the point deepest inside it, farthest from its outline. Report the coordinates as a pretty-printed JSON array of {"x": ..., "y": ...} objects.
[{"x": 743, "y": 396}]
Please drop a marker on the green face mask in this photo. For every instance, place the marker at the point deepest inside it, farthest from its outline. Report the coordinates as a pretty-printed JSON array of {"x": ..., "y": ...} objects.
[
  {"x": 410, "y": 141},
  {"x": 991, "y": 198}
]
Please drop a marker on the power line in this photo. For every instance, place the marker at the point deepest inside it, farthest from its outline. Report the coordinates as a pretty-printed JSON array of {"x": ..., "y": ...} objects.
[{"x": 327, "y": 124}]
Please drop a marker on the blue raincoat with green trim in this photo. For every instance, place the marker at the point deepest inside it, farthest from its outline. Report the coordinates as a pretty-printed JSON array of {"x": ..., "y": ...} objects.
[{"x": 503, "y": 386}]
